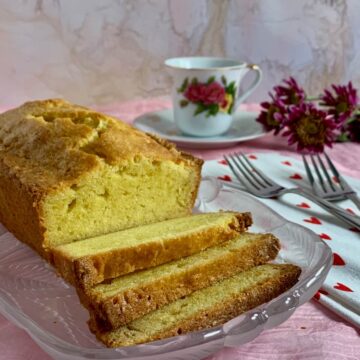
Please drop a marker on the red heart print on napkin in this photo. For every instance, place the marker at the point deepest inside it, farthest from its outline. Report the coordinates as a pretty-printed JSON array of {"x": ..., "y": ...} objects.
[
  {"x": 318, "y": 294},
  {"x": 225, "y": 178},
  {"x": 303, "y": 205},
  {"x": 222, "y": 162},
  {"x": 325, "y": 236},
  {"x": 354, "y": 229},
  {"x": 313, "y": 220},
  {"x": 338, "y": 260},
  {"x": 288, "y": 163},
  {"x": 296, "y": 176},
  {"x": 342, "y": 287},
  {"x": 254, "y": 157},
  {"x": 351, "y": 211}
]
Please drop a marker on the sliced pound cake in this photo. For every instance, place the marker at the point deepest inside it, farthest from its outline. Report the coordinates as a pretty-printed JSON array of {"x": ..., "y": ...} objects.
[
  {"x": 129, "y": 297},
  {"x": 70, "y": 173},
  {"x": 205, "y": 308},
  {"x": 91, "y": 261}
]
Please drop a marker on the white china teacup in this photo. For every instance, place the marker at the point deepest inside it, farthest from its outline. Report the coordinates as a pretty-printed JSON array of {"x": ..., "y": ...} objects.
[{"x": 206, "y": 93}]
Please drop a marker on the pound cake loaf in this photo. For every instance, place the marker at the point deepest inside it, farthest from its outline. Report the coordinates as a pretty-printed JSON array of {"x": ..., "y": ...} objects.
[
  {"x": 69, "y": 173},
  {"x": 205, "y": 308},
  {"x": 91, "y": 261},
  {"x": 129, "y": 297}
]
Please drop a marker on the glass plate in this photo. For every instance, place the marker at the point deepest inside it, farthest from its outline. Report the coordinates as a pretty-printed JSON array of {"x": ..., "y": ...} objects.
[{"x": 37, "y": 300}]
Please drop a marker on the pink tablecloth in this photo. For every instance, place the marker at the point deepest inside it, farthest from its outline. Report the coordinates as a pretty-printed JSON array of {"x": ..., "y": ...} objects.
[{"x": 313, "y": 332}]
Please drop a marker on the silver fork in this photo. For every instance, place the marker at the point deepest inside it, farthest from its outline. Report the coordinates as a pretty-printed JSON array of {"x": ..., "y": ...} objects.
[
  {"x": 324, "y": 186},
  {"x": 260, "y": 185}
]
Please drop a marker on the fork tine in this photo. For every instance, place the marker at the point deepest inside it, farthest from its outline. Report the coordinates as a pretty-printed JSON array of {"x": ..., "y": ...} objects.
[
  {"x": 332, "y": 166},
  {"x": 343, "y": 184},
  {"x": 308, "y": 171},
  {"x": 257, "y": 171},
  {"x": 250, "y": 169},
  {"x": 325, "y": 172},
  {"x": 245, "y": 180},
  {"x": 318, "y": 173},
  {"x": 246, "y": 172},
  {"x": 234, "y": 171}
]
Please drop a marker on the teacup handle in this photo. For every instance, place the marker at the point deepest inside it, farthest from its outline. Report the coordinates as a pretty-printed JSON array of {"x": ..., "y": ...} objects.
[{"x": 253, "y": 86}]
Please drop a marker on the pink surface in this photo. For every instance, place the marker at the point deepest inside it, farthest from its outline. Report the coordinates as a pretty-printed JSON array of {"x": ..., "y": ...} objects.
[
  {"x": 313, "y": 332},
  {"x": 345, "y": 154}
]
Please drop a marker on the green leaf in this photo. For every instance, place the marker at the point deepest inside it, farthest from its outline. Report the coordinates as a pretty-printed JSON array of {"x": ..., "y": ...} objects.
[
  {"x": 194, "y": 81},
  {"x": 351, "y": 120},
  {"x": 233, "y": 103},
  {"x": 342, "y": 138},
  {"x": 214, "y": 109},
  {"x": 231, "y": 106},
  {"x": 183, "y": 103},
  {"x": 223, "y": 80},
  {"x": 199, "y": 109},
  {"x": 231, "y": 88},
  {"x": 211, "y": 79},
  {"x": 183, "y": 86}
]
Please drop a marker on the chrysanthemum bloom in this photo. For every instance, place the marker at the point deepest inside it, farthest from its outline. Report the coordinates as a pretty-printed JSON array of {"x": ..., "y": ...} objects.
[
  {"x": 311, "y": 129},
  {"x": 291, "y": 94},
  {"x": 342, "y": 103},
  {"x": 273, "y": 115}
]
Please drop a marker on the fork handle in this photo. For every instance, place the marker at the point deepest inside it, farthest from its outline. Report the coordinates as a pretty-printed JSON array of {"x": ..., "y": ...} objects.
[{"x": 331, "y": 208}]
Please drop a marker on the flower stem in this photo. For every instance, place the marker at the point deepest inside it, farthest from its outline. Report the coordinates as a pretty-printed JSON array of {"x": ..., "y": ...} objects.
[{"x": 313, "y": 98}]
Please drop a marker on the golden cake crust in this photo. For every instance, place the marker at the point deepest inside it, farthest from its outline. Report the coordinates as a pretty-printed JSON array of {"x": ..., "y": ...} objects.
[
  {"x": 127, "y": 305},
  {"x": 20, "y": 212},
  {"x": 52, "y": 142},
  {"x": 86, "y": 271},
  {"x": 50, "y": 145},
  {"x": 218, "y": 314}
]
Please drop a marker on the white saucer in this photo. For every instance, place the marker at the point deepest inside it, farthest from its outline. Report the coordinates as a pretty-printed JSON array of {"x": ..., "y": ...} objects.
[{"x": 162, "y": 123}]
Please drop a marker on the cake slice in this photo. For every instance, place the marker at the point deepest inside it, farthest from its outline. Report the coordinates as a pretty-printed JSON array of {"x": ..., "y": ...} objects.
[
  {"x": 68, "y": 173},
  {"x": 129, "y": 297},
  {"x": 88, "y": 262},
  {"x": 205, "y": 308}
]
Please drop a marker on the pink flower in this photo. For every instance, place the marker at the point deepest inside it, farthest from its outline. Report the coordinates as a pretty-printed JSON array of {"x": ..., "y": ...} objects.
[
  {"x": 275, "y": 113},
  {"x": 310, "y": 128},
  {"x": 342, "y": 103},
  {"x": 291, "y": 94},
  {"x": 206, "y": 94},
  {"x": 273, "y": 116}
]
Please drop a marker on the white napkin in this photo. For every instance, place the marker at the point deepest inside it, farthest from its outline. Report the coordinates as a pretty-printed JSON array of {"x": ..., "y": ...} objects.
[{"x": 341, "y": 290}]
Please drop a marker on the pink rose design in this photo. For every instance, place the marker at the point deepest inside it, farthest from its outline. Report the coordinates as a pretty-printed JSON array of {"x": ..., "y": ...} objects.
[{"x": 207, "y": 94}]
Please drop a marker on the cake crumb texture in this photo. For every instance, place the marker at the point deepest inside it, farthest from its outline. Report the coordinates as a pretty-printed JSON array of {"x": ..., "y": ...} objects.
[
  {"x": 205, "y": 308},
  {"x": 88, "y": 262},
  {"x": 126, "y": 298}
]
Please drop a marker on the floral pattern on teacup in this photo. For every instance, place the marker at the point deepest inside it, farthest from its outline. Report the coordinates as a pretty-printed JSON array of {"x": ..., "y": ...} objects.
[{"x": 209, "y": 97}]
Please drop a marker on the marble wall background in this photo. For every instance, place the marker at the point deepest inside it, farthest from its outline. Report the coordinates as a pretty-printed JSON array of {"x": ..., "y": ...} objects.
[{"x": 103, "y": 51}]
